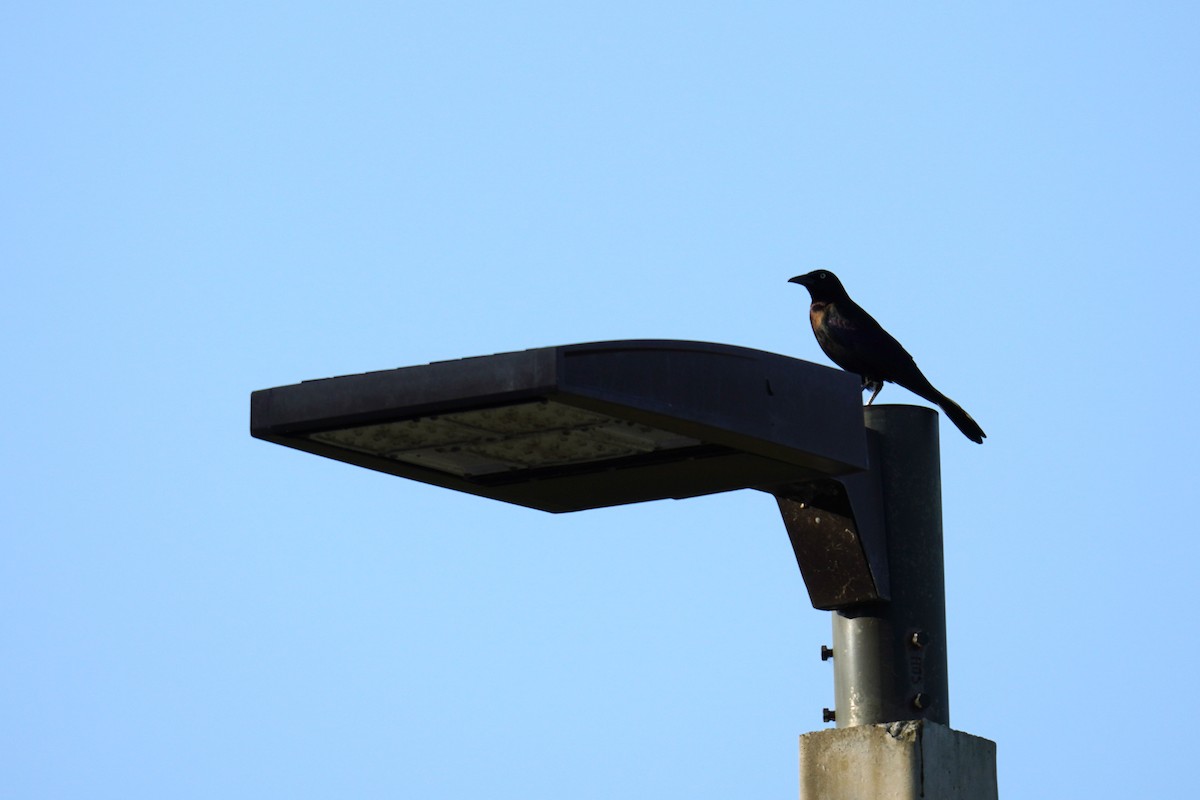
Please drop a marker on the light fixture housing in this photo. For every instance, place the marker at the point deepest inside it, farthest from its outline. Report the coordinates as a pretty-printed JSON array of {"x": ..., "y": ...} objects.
[{"x": 584, "y": 425}]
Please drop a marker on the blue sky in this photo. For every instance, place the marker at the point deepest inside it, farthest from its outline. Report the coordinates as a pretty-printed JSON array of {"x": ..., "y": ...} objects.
[{"x": 201, "y": 200}]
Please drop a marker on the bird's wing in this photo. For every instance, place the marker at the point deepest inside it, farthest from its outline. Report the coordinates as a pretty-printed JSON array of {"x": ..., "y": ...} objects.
[{"x": 856, "y": 342}]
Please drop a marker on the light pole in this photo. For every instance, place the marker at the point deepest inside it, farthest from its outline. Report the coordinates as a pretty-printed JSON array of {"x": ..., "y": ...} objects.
[{"x": 585, "y": 426}]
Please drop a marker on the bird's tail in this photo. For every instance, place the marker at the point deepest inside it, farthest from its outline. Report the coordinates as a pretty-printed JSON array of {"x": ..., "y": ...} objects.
[{"x": 962, "y": 420}]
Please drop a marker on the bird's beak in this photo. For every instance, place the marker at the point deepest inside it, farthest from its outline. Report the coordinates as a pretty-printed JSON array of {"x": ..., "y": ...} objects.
[{"x": 800, "y": 279}]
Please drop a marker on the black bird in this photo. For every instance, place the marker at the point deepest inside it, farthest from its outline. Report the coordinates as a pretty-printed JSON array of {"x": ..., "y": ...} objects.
[{"x": 857, "y": 343}]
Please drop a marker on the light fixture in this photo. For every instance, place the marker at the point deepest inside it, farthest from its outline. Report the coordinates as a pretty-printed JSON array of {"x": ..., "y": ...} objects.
[{"x": 585, "y": 425}]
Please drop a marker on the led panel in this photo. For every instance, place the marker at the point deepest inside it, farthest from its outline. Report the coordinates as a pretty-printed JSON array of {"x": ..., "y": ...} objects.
[{"x": 533, "y": 435}]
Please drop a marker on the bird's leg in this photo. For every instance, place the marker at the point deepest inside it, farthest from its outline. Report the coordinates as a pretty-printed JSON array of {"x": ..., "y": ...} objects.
[{"x": 877, "y": 386}]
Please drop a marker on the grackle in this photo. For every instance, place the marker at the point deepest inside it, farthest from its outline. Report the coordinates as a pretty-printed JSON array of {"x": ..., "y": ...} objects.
[{"x": 857, "y": 343}]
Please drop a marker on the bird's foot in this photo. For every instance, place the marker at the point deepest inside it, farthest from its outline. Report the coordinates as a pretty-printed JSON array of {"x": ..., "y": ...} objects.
[{"x": 875, "y": 386}]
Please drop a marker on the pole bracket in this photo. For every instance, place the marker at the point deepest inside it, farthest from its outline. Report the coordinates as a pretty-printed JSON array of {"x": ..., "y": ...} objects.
[{"x": 836, "y": 526}]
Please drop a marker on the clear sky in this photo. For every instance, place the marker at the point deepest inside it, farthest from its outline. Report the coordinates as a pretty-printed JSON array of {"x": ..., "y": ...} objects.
[{"x": 203, "y": 199}]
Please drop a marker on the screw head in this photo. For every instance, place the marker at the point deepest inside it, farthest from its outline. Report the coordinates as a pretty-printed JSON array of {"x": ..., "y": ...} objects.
[
  {"x": 919, "y": 639},
  {"x": 826, "y": 653},
  {"x": 828, "y": 715}
]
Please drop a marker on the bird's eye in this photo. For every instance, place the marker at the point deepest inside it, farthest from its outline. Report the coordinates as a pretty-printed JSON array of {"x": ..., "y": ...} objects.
[{"x": 822, "y": 275}]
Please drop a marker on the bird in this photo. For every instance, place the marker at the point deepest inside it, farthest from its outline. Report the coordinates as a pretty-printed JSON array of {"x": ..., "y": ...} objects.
[{"x": 857, "y": 343}]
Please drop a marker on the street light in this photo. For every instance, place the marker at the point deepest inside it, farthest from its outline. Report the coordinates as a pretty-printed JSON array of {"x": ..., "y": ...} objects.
[{"x": 585, "y": 426}]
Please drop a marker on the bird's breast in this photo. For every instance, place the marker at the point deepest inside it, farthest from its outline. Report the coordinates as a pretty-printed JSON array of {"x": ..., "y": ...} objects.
[
  {"x": 835, "y": 336},
  {"x": 816, "y": 315}
]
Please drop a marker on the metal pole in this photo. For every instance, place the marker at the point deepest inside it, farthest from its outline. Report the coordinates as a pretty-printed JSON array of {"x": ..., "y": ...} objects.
[{"x": 890, "y": 657}]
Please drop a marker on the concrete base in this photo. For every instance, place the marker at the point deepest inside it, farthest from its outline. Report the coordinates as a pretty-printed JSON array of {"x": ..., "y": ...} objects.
[{"x": 914, "y": 760}]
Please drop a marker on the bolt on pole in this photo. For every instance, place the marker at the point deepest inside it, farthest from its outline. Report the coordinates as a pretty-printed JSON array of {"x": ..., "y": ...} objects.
[{"x": 890, "y": 657}]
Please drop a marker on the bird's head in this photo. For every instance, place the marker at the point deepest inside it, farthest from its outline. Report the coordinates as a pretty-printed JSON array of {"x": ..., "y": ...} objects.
[{"x": 821, "y": 284}]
